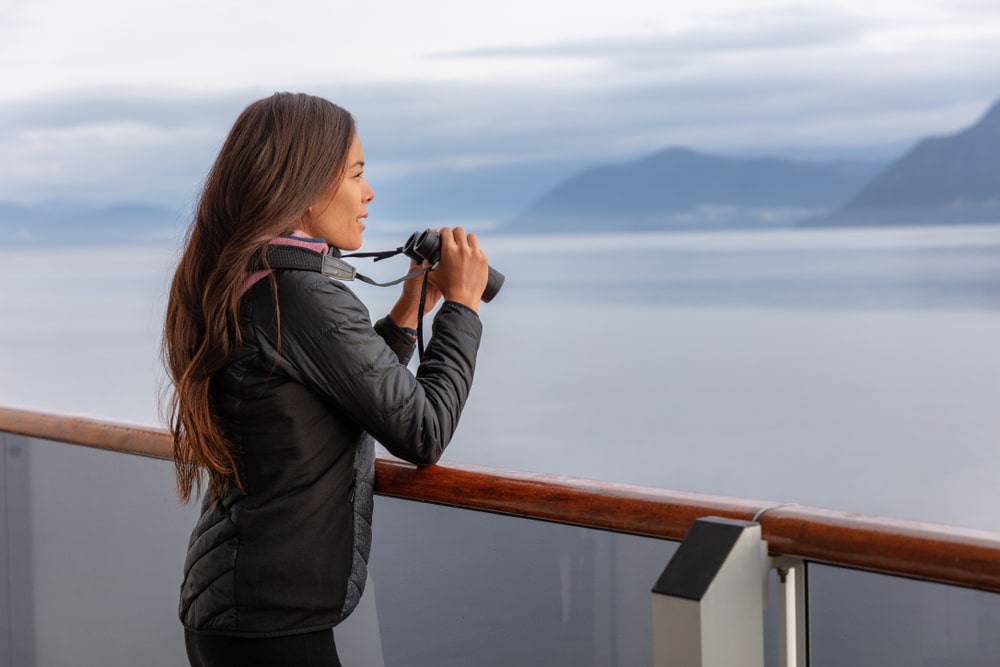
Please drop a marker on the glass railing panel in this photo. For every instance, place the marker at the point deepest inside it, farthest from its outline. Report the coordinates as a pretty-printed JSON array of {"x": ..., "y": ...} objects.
[
  {"x": 860, "y": 619},
  {"x": 463, "y": 588},
  {"x": 95, "y": 540},
  {"x": 94, "y": 550},
  {"x": 92, "y": 544}
]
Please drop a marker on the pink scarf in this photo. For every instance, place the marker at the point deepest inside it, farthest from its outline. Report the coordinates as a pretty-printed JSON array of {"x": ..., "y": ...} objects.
[{"x": 297, "y": 238}]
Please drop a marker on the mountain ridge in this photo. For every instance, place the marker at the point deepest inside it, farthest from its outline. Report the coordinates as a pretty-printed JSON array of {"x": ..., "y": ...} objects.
[
  {"x": 946, "y": 179},
  {"x": 682, "y": 187}
]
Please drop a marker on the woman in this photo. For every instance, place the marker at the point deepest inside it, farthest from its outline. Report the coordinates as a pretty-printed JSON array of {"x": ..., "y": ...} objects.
[{"x": 281, "y": 383}]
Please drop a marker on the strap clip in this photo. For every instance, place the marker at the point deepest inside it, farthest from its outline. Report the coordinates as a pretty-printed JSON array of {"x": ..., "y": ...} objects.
[{"x": 337, "y": 268}]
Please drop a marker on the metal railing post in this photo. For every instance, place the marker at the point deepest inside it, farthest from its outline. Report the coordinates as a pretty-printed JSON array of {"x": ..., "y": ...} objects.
[
  {"x": 793, "y": 629},
  {"x": 17, "y": 633}
]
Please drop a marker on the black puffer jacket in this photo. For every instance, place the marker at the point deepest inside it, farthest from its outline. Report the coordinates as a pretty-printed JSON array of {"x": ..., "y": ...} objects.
[{"x": 289, "y": 555}]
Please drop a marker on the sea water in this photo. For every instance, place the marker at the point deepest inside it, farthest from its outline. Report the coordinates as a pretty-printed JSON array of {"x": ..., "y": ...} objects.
[{"x": 854, "y": 369}]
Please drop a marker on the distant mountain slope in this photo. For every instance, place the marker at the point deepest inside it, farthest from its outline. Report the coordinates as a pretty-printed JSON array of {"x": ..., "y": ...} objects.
[
  {"x": 678, "y": 187},
  {"x": 942, "y": 180}
]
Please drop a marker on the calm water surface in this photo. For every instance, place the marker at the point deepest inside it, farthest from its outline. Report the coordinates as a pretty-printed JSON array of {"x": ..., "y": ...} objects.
[{"x": 852, "y": 369}]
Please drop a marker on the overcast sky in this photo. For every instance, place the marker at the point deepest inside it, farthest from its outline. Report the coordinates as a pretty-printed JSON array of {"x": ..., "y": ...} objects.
[{"x": 106, "y": 100}]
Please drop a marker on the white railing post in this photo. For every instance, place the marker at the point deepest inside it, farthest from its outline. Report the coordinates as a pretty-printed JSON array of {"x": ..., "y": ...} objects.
[{"x": 708, "y": 605}]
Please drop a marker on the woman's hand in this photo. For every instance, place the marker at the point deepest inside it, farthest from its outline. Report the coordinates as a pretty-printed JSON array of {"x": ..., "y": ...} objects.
[
  {"x": 405, "y": 312},
  {"x": 463, "y": 271}
]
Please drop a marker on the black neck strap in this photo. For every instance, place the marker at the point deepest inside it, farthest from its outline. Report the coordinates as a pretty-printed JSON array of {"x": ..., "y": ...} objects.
[{"x": 332, "y": 264}]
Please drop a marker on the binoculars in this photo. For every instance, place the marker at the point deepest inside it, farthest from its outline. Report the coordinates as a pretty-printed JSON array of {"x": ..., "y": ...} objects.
[{"x": 425, "y": 246}]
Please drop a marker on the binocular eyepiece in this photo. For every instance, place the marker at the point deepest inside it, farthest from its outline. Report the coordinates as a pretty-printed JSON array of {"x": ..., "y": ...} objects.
[{"x": 425, "y": 246}]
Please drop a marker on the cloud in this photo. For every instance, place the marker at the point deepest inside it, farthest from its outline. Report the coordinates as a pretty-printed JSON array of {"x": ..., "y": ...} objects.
[
  {"x": 733, "y": 33},
  {"x": 807, "y": 105},
  {"x": 109, "y": 144},
  {"x": 737, "y": 94},
  {"x": 148, "y": 106},
  {"x": 977, "y": 7}
]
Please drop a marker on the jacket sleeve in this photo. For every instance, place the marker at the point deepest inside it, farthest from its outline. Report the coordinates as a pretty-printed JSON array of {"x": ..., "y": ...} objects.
[
  {"x": 328, "y": 336},
  {"x": 397, "y": 339}
]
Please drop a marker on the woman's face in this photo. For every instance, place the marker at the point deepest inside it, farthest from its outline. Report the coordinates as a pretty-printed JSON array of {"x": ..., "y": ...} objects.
[{"x": 338, "y": 214}]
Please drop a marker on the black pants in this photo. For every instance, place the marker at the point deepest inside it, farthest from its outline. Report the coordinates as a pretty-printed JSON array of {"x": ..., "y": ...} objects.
[{"x": 312, "y": 649}]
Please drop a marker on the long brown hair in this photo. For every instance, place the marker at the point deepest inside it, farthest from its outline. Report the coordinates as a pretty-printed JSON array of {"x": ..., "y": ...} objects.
[{"x": 281, "y": 154}]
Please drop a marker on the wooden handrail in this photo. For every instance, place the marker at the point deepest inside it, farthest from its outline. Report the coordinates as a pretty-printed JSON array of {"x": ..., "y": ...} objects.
[
  {"x": 87, "y": 431},
  {"x": 621, "y": 508},
  {"x": 934, "y": 552}
]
